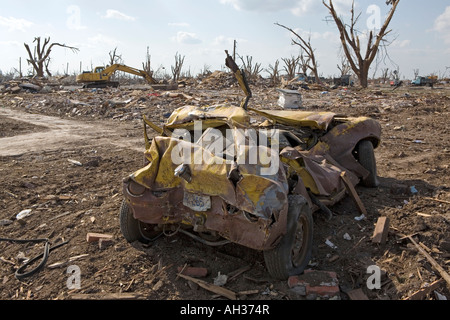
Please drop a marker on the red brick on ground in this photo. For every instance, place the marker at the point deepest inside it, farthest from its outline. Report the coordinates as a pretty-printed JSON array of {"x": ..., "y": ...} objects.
[
  {"x": 195, "y": 272},
  {"x": 322, "y": 283}
]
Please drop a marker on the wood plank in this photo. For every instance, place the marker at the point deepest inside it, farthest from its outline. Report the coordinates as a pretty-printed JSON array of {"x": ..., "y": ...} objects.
[
  {"x": 354, "y": 195},
  {"x": 211, "y": 287},
  {"x": 95, "y": 237},
  {"x": 433, "y": 262},
  {"x": 105, "y": 296},
  {"x": 381, "y": 230},
  {"x": 422, "y": 293}
]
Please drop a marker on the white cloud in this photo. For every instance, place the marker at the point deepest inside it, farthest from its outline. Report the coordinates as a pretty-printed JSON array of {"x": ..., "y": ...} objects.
[
  {"x": 183, "y": 37},
  {"x": 178, "y": 24},
  {"x": 401, "y": 44},
  {"x": 114, "y": 14},
  {"x": 222, "y": 40},
  {"x": 14, "y": 24},
  {"x": 304, "y": 7},
  {"x": 10, "y": 43},
  {"x": 442, "y": 25},
  {"x": 260, "y": 5},
  {"x": 297, "y": 7},
  {"x": 101, "y": 39}
]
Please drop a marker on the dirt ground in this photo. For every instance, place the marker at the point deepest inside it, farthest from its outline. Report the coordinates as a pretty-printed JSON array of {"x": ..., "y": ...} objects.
[{"x": 64, "y": 153}]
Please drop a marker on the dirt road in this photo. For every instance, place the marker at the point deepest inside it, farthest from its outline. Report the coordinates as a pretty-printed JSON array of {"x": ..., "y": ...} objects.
[{"x": 53, "y": 133}]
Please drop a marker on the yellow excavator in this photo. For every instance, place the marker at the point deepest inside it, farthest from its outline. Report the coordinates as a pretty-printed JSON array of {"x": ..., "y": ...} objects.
[{"x": 101, "y": 77}]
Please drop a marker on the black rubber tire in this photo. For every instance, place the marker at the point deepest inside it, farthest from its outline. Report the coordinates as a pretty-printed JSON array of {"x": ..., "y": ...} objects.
[
  {"x": 134, "y": 230},
  {"x": 366, "y": 157},
  {"x": 280, "y": 261}
]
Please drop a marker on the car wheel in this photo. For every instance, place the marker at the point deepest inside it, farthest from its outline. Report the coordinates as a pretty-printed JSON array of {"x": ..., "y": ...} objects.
[
  {"x": 135, "y": 230},
  {"x": 292, "y": 254},
  {"x": 366, "y": 157}
]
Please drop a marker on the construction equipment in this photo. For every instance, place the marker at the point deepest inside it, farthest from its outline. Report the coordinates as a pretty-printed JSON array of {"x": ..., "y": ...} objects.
[{"x": 101, "y": 77}]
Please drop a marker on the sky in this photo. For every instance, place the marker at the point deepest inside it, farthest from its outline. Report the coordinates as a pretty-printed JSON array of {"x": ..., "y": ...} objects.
[{"x": 201, "y": 31}]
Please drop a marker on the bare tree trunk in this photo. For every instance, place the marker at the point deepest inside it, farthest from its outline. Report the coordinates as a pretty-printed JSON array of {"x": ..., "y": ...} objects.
[
  {"x": 384, "y": 74},
  {"x": 252, "y": 71},
  {"x": 351, "y": 43},
  {"x": 344, "y": 67},
  {"x": 290, "y": 66},
  {"x": 176, "y": 70},
  {"x": 41, "y": 57},
  {"x": 114, "y": 57},
  {"x": 364, "y": 75},
  {"x": 146, "y": 66},
  {"x": 274, "y": 73}
]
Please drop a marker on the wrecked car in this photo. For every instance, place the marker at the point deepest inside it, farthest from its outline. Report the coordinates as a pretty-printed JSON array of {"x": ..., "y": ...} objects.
[{"x": 213, "y": 174}]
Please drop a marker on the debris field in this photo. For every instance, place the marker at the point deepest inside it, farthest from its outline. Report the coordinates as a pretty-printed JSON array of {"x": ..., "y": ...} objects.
[{"x": 64, "y": 152}]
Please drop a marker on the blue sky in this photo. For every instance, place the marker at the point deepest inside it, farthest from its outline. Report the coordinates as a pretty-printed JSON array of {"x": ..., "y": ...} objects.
[{"x": 201, "y": 30}]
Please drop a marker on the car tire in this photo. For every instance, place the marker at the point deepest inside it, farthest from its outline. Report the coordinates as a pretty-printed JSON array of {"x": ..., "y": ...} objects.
[
  {"x": 366, "y": 157},
  {"x": 134, "y": 230},
  {"x": 293, "y": 253}
]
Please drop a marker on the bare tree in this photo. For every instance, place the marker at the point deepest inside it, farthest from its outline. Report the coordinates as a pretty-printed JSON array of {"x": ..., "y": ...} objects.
[
  {"x": 291, "y": 66},
  {"x": 384, "y": 74},
  {"x": 416, "y": 73},
  {"x": 274, "y": 73},
  {"x": 40, "y": 59},
  {"x": 344, "y": 66},
  {"x": 176, "y": 70},
  {"x": 206, "y": 71},
  {"x": 114, "y": 57},
  {"x": 350, "y": 40},
  {"x": 307, "y": 49},
  {"x": 147, "y": 65},
  {"x": 251, "y": 70},
  {"x": 304, "y": 62}
]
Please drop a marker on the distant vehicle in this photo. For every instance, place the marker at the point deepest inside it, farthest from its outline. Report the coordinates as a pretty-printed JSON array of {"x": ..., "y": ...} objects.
[
  {"x": 394, "y": 83},
  {"x": 424, "y": 81},
  {"x": 344, "y": 80},
  {"x": 101, "y": 76}
]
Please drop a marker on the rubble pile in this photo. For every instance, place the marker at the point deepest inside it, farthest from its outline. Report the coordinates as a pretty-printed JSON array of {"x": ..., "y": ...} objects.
[
  {"x": 79, "y": 187},
  {"x": 218, "y": 80}
]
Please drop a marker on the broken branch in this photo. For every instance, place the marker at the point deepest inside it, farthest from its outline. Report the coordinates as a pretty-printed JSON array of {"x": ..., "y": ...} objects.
[
  {"x": 211, "y": 287},
  {"x": 433, "y": 262}
]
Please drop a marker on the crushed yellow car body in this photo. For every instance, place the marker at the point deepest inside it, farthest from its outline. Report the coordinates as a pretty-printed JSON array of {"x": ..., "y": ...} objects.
[{"x": 217, "y": 178}]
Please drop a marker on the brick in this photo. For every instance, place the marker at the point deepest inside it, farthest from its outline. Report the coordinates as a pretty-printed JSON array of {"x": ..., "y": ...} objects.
[
  {"x": 195, "y": 272},
  {"x": 95, "y": 237},
  {"x": 381, "y": 230},
  {"x": 323, "y": 283}
]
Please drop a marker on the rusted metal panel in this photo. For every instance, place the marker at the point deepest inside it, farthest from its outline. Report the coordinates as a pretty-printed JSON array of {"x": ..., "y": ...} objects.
[{"x": 316, "y": 120}]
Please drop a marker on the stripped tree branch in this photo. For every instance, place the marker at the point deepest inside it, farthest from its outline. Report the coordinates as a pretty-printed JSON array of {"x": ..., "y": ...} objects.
[{"x": 308, "y": 50}]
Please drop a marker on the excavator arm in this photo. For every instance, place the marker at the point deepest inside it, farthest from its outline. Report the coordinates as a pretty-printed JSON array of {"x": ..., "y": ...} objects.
[
  {"x": 101, "y": 77},
  {"x": 120, "y": 67}
]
